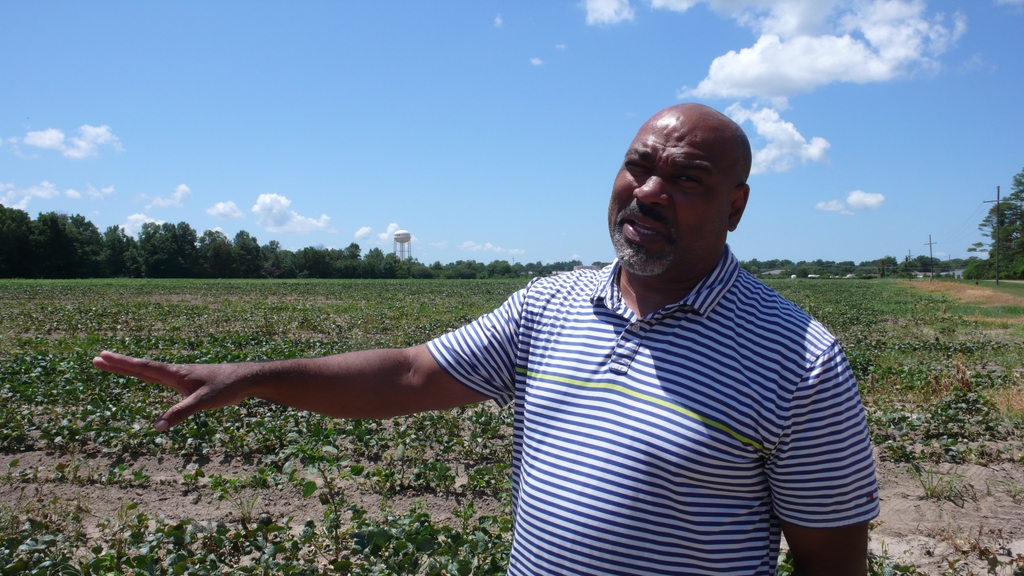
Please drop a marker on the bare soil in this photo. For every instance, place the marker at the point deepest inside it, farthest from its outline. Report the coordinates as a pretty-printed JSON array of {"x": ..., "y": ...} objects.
[
  {"x": 963, "y": 529},
  {"x": 167, "y": 495},
  {"x": 980, "y": 519},
  {"x": 983, "y": 295}
]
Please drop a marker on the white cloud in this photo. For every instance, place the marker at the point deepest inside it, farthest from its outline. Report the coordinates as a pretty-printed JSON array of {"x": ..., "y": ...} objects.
[
  {"x": 225, "y": 211},
  {"x": 389, "y": 234},
  {"x": 176, "y": 199},
  {"x": 439, "y": 245},
  {"x": 84, "y": 145},
  {"x": 608, "y": 11},
  {"x": 560, "y": 46},
  {"x": 864, "y": 200},
  {"x": 785, "y": 143},
  {"x": 536, "y": 61},
  {"x": 15, "y": 198},
  {"x": 273, "y": 215},
  {"x": 99, "y": 194},
  {"x": 498, "y": 21},
  {"x": 471, "y": 246},
  {"x": 831, "y": 206},
  {"x": 677, "y": 5},
  {"x": 91, "y": 137},
  {"x": 857, "y": 199},
  {"x": 805, "y": 44},
  {"x": 363, "y": 233},
  {"x": 133, "y": 225},
  {"x": 12, "y": 197},
  {"x": 51, "y": 139}
]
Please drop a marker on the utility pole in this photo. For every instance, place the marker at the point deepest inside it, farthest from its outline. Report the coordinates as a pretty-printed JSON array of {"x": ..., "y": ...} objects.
[
  {"x": 996, "y": 239},
  {"x": 931, "y": 259}
]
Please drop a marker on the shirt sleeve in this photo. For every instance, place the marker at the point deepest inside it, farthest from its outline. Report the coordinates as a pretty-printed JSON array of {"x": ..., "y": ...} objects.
[
  {"x": 822, "y": 471},
  {"x": 482, "y": 354}
]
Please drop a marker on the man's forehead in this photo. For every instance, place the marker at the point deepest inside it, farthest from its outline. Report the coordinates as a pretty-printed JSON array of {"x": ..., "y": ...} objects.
[
  {"x": 667, "y": 121},
  {"x": 693, "y": 133}
]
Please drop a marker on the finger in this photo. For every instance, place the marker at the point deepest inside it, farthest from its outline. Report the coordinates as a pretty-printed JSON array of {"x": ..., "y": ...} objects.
[
  {"x": 179, "y": 412},
  {"x": 115, "y": 368},
  {"x": 148, "y": 370}
]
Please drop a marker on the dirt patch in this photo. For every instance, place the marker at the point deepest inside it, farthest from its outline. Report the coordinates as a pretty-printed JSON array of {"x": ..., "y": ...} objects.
[
  {"x": 950, "y": 515},
  {"x": 980, "y": 514},
  {"x": 167, "y": 495},
  {"x": 974, "y": 294}
]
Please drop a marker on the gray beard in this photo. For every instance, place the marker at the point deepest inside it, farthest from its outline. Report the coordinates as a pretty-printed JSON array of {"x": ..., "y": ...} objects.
[{"x": 633, "y": 257}]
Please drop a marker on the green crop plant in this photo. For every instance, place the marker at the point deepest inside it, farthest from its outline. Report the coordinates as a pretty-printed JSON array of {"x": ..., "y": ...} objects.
[
  {"x": 913, "y": 353},
  {"x": 952, "y": 487},
  {"x": 1014, "y": 490}
]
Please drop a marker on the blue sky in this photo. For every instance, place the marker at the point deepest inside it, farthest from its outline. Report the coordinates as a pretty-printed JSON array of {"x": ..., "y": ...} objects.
[{"x": 493, "y": 129}]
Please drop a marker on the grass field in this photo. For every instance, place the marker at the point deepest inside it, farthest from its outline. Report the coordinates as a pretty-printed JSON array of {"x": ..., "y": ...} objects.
[{"x": 90, "y": 488}]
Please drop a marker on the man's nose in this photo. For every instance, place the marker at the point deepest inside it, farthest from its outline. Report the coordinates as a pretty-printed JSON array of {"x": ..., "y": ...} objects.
[{"x": 652, "y": 191}]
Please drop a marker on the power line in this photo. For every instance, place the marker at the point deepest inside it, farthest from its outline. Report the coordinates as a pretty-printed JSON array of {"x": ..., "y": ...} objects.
[
  {"x": 955, "y": 235},
  {"x": 996, "y": 238},
  {"x": 931, "y": 259}
]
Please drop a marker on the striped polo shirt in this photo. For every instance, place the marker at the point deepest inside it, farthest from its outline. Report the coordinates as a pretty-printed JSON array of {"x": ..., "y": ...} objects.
[{"x": 672, "y": 443}]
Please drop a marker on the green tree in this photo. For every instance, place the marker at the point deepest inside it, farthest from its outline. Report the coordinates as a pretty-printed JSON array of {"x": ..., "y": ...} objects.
[
  {"x": 16, "y": 249},
  {"x": 278, "y": 263},
  {"x": 168, "y": 250},
  {"x": 119, "y": 253},
  {"x": 313, "y": 262},
  {"x": 248, "y": 257},
  {"x": 66, "y": 246},
  {"x": 216, "y": 255},
  {"x": 353, "y": 252},
  {"x": 1009, "y": 215}
]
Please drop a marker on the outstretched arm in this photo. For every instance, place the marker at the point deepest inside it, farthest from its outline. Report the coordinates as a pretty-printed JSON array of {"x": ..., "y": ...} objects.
[{"x": 367, "y": 384}]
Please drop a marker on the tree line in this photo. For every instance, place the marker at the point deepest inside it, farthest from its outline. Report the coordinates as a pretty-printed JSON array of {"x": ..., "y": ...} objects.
[
  {"x": 1004, "y": 226},
  {"x": 885, "y": 267},
  {"x": 56, "y": 245}
]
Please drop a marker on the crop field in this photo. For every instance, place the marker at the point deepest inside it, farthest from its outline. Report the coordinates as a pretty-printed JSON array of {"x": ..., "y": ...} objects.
[{"x": 88, "y": 487}]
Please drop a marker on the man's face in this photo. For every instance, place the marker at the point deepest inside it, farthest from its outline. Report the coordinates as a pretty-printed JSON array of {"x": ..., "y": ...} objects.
[{"x": 677, "y": 195}]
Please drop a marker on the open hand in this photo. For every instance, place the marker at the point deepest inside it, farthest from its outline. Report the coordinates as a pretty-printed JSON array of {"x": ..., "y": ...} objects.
[{"x": 204, "y": 386}]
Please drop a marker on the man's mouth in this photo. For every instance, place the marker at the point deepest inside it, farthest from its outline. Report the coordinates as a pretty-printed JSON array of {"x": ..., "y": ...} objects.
[
  {"x": 640, "y": 233},
  {"x": 642, "y": 224}
]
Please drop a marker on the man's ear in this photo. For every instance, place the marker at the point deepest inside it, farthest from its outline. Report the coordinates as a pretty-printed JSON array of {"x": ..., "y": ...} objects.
[{"x": 737, "y": 203}]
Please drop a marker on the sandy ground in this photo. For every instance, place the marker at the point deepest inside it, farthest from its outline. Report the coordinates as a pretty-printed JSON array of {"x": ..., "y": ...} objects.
[
  {"x": 167, "y": 495},
  {"x": 967, "y": 293},
  {"x": 982, "y": 520},
  {"x": 961, "y": 531}
]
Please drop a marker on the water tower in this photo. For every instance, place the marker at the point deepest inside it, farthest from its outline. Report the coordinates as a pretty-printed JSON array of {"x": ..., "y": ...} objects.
[{"x": 403, "y": 244}]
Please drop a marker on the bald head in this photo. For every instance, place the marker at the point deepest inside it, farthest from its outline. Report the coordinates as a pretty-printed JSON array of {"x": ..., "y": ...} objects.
[
  {"x": 681, "y": 189},
  {"x": 710, "y": 125}
]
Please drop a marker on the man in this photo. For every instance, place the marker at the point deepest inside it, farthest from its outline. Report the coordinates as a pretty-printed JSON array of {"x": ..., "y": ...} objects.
[{"x": 672, "y": 414}]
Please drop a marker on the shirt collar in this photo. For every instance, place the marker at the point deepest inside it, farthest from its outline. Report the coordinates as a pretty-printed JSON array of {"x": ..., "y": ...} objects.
[{"x": 702, "y": 299}]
